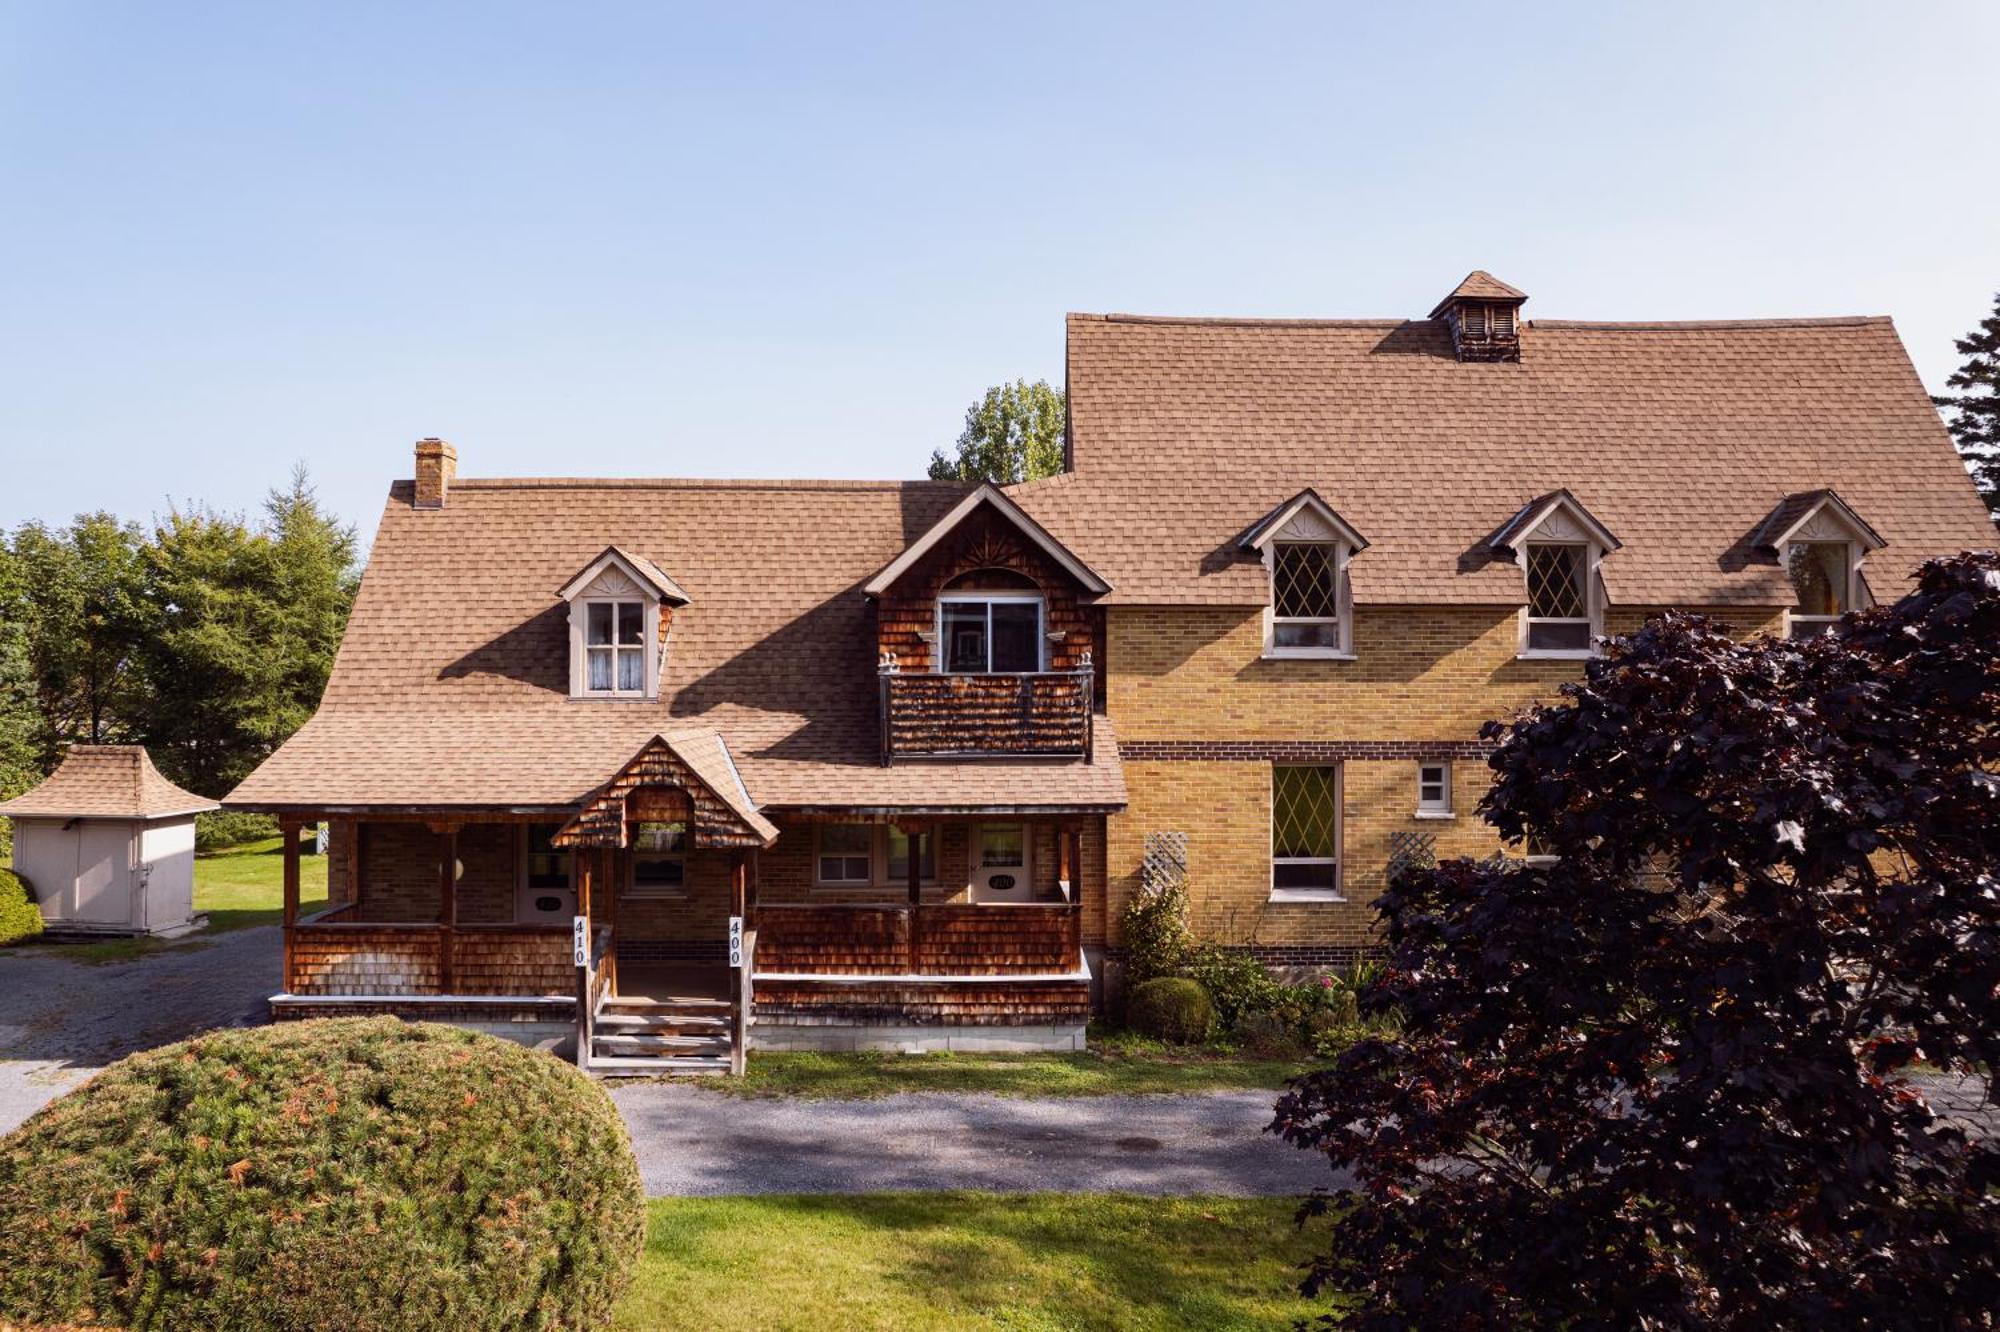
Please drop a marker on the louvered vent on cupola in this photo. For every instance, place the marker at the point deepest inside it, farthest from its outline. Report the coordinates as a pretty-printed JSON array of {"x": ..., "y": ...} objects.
[{"x": 1484, "y": 316}]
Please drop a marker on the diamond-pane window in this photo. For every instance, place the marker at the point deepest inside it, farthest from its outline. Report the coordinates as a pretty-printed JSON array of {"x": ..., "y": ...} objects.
[
  {"x": 1555, "y": 582},
  {"x": 1305, "y": 595},
  {"x": 1305, "y": 828}
]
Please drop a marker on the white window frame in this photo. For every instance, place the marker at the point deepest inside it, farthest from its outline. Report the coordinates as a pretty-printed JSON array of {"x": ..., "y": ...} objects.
[
  {"x": 1440, "y": 808},
  {"x": 579, "y": 647},
  {"x": 1852, "y": 597},
  {"x": 1593, "y": 602},
  {"x": 631, "y": 886},
  {"x": 1337, "y": 860},
  {"x": 867, "y": 880},
  {"x": 878, "y": 858},
  {"x": 938, "y": 657},
  {"x": 1343, "y": 600}
]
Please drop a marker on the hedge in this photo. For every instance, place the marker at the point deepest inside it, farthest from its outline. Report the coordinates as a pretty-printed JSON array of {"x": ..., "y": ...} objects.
[
  {"x": 1172, "y": 1008},
  {"x": 397, "y": 1176},
  {"x": 20, "y": 918}
]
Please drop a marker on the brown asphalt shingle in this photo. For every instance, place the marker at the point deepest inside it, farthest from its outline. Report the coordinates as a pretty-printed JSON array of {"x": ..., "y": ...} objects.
[
  {"x": 106, "y": 782},
  {"x": 1680, "y": 438},
  {"x": 451, "y": 685}
]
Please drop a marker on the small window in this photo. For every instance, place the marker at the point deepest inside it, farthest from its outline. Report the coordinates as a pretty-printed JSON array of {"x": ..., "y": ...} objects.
[
  {"x": 1305, "y": 596},
  {"x": 845, "y": 853},
  {"x": 659, "y": 859},
  {"x": 1822, "y": 577},
  {"x": 1305, "y": 831},
  {"x": 1433, "y": 790},
  {"x": 990, "y": 635},
  {"x": 614, "y": 647},
  {"x": 1540, "y": 851},
  {"x": 899, "y": 856},
  {"x": 546, "y": 866},
  {"x": 1558, "y": 597}
]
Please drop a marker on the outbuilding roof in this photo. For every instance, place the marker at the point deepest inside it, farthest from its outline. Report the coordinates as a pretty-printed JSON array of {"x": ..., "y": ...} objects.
[{"x": 106, "y": 782}]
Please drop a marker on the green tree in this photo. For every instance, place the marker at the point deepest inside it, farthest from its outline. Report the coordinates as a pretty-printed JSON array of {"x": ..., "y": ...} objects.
[
  {"x": 1014, "y": 433},
  {"x": 20, "y": 720},
  {"x": 79, "y": 602},
  {"x": 1975, "y": 412},
  {"x": 242, "y": 630}
]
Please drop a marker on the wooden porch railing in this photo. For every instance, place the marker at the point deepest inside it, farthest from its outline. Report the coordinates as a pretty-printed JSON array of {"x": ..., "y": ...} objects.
[
  {"x": 932, "y": 940},
  {"x": 1041, "y": 714},
  {"x": 333, "y": 954}
]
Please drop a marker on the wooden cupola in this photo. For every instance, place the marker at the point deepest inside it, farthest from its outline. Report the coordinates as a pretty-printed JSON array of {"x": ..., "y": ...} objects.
[{"x": 1484, "y": 315}]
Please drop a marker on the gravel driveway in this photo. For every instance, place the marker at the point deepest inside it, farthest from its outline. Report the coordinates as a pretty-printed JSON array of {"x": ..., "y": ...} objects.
[
  {"x": 61, "y": 1021},
  {"x": 692, "y": 1141}
]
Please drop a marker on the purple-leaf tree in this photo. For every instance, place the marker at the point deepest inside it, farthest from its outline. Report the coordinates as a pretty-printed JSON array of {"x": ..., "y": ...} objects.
[{"x": 1662, "y": 1080}]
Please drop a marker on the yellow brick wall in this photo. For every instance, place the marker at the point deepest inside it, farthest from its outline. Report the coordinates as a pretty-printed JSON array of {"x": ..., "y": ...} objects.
[{"x": 1425, "y": 678}]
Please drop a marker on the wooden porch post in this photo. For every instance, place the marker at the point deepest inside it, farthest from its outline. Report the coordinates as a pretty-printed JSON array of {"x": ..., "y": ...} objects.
[
  {"x": 740, "y": 985},
  {"x": 913, "y": 841},
  {"x": 447, "y": 906},
  {"x": 579, "y": 875},
  {"x": 1073, "y": 849},
  {"x": 289, "y": 830},
  {"x": 605, "y": 858}
]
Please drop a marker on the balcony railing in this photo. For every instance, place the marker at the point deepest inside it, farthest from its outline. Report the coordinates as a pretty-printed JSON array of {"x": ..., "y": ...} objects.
[{"x": 1032, "y": 714}]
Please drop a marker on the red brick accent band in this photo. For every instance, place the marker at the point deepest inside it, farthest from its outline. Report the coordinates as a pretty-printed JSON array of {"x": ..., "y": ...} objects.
[{"x": 1296, "y": 751}]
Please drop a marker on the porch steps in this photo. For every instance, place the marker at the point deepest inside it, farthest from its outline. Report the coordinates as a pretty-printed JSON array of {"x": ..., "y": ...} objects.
[{"x": 635, "y": 1036}]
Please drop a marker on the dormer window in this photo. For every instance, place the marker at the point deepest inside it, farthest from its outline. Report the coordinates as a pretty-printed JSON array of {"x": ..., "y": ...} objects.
[
  {"x": 1820, "y": 543},
  {"x": 990, "y": 632},
  {"x": 620, "y": 608},
  {"x": 1559, "y": 546},
  {"x": 1559, "y": 618},
  {"x": 615, "y": 647},
  {"x": 1306, "y": 548}
]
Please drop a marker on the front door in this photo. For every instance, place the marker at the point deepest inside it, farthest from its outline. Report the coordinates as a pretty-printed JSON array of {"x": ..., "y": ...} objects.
[
  {"x": 1000, "y": 863},
  {"x": 545, "y": 895}
]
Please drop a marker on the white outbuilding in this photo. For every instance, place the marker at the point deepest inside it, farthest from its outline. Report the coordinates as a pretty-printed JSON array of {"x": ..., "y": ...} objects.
[{"x": 107, "y": 844}]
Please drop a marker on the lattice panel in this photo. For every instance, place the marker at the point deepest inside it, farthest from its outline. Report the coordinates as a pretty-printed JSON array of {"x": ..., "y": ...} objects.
[
  {"x": 1165, "y": 861},
  {"x": 1411, "y": 851},
  {"x": 1305, "y": 813},
  {"x": 1555, "y": 582},
  {"x": 1305, "y": 581}
]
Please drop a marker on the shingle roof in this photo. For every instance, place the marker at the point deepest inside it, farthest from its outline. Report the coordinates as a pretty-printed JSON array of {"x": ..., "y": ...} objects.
[
  {"x": 106, "y": 782},
  {"x": 451, "y": 687},
  {"x": 1678, "y": 437},
  {"x": 1480, "y": 285}
]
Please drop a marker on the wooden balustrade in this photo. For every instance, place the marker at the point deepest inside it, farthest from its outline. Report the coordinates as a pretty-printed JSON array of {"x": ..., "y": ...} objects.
[
  {"x": 934, "y": 940},
  {"x": 1038, "y": 714},
  {"x": 331, "y": 955}
]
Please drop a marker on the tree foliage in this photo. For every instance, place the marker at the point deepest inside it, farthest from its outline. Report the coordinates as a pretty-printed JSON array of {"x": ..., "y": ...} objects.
[
  {"x": 1014, "y": 433},
  {"x": 1975, "y": 410},
  {"x": 1663, "y": 1082},
  {"x": 208, "y": 640}
]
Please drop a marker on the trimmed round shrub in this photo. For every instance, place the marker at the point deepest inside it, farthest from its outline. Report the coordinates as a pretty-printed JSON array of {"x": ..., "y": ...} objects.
[
  {"x": 20, "y": 918},
  {"x": 363, "y": 1173},
  {"x": 1172, "y": 1008}
]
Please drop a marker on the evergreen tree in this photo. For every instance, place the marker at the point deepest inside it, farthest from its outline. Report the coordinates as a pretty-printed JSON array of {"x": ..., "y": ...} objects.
[
  {"x": 1014, "y": 433},
  {"x": 1975, "y": 419},
  {"x": 20, "y": 721}
]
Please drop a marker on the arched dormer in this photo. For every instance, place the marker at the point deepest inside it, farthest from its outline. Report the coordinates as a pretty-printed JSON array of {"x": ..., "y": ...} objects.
[
  {"x": 621, "y": 607},
  {"x": 1820, "y": 542}
]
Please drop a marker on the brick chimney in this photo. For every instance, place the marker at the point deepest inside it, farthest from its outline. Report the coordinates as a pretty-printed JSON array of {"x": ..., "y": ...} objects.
[
  {"x": 1484, "y": 315},
  {"x": 437, "y": 464}
]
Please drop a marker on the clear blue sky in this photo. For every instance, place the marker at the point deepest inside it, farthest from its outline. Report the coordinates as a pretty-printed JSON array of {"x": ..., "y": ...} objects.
[{"x": 772, "y": 240}]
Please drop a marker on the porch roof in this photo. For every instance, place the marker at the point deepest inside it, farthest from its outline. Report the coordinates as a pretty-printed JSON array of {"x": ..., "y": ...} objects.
[{"x": 507, "y": 758}]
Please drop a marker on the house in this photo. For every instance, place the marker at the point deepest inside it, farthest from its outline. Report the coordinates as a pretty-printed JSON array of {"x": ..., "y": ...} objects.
[
  {"x": 679, "y": 766},
  {"x": 107, "y": 844}
]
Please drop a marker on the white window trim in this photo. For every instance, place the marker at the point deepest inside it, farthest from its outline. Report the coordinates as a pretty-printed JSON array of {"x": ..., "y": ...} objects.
[
  {"x": 649, "y": 647},
  {"x": 878, "y": 860},
  {"x": 631, "y": 889},
  {"x": 1435, "y": 809},
  {"x": 1854, "y": 586},
  {"x": 1593, "y": 596},
  {"x": 983, "y": 598},
  {"x": 1338, "y": 861},
  {"x": 1343, "y": 598}
]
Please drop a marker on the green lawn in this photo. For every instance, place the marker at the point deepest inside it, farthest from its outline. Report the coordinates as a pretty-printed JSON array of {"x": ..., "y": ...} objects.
[
  {"x": 242, "y": 886},
  {"x": 969, "y": 1260},
  {"x": 1113, "y": 1064}
]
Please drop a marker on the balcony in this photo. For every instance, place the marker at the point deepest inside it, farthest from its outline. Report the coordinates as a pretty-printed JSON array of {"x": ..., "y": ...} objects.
[{"x": 1030, "y": 714}]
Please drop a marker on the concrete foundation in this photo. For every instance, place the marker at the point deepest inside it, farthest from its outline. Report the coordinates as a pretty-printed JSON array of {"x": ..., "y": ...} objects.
[{"x": 1063, "y": 1037}]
